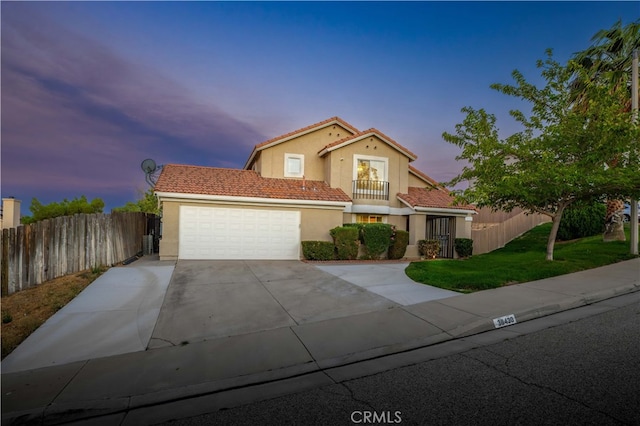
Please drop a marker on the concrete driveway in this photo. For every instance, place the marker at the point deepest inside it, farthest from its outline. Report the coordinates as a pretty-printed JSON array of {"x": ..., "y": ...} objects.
[
  {"x": 212, "y": 299},
  {"x": 151, "y": 304}
]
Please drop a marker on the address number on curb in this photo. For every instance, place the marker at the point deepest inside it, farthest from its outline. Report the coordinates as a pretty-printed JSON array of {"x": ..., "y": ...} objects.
[{"x": 504, "y": 321}]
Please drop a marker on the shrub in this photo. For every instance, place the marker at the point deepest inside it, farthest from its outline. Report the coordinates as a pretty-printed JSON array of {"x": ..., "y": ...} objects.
[
  {"x": 376, "y": 238},
  {"x": 346, "y": 242},
  {"x": 429, "y": 248},
  {"x": 398, "y": 246},
  {"x": 318, "y": 250},
  {"x": 582, "y": 220},
  {"x": 358, "y": 226},
  {"x": 464, "y": 247}
]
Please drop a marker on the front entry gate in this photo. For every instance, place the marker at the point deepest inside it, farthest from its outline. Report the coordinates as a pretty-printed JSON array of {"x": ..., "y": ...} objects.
[{"x": 442, "y": 229}]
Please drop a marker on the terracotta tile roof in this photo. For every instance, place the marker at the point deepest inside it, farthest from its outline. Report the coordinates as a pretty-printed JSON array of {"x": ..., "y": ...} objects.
[
  {"x": 185, "y": 179},
  {"x": 427, "y": 178},
  {"x": 361, "y": 135},
  {"x": 434, "y": 198}
]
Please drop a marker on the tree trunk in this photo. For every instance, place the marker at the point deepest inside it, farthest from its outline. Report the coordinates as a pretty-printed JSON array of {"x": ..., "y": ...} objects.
[
  {"x": 614, "y": 225},
  {"x": 554, "y": 232}
]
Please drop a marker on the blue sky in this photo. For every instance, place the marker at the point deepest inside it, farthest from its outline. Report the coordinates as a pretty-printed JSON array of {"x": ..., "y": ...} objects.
[{"x": 90, "y": 89}]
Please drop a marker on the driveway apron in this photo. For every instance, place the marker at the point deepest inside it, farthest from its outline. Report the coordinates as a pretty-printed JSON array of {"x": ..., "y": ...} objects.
[{"x": 209, "y": 299}]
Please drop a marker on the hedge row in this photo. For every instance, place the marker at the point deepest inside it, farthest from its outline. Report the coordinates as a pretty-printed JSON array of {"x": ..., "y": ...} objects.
[{"x": 376, "y": 238}]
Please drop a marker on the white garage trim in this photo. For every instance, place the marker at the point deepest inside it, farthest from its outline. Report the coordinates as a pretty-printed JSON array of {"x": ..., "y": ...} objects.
[
  {"x": 230, "y": 233},
  {"x": 253, "y": 200}
]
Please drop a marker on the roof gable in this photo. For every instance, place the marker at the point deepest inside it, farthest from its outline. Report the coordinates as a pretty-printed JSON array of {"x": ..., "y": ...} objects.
[
  {"x": 183, "y": 179},
  {"x": 363, "y": 135},
  {"x": 300, "y": 132}
]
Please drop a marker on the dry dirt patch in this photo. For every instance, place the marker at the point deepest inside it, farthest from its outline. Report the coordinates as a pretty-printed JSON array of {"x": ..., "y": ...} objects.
[{"x": 23, "y": 312}]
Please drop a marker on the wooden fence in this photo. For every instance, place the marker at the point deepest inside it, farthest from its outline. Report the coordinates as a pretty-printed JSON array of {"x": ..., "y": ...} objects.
[
  {"x": 498, "y": 228},
  {"x": 35, "y": 253}
]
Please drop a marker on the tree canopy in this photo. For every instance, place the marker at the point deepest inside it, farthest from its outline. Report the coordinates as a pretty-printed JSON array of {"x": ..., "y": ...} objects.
[
  {"x": 560, "y": 155},
  {"x": 148, "y": 203},
  {"x": 41, "y": 211}
]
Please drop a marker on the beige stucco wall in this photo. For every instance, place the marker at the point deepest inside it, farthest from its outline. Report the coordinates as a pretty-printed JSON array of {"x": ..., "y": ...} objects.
[
  {"x": 342, "y": 163},
  {"x": 271, "y": 161},
  {"x": 170, "y": 222},
  {"x": 417, "y": 228},
  {"x": 315, "y": 223},
  {"x": 463, "y": 228},
  {"x": 417, "y": 182}
]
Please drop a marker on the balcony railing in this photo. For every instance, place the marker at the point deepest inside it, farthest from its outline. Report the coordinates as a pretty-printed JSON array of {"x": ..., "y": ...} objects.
[{"x": 370, "y": 189}]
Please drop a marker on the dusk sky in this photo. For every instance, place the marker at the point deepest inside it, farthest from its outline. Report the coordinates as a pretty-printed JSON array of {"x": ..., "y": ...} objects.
[{"x": 90, "y": 89}]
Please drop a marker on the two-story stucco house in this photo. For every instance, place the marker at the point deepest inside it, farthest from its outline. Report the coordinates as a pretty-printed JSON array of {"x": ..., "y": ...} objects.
[{"x": 297, "y": 187}]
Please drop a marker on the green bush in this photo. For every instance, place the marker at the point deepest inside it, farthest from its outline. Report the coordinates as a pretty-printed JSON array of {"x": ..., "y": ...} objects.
[
  {"x": 318, "y": 250},
  {"x": 429, "y": 248},
  {"x": 376, "y": 238},
  {"x": 464, "y": 247},
  {"x": 582, "y": 220},
  {"x": 399, "y": 244},
  {"x": 346, "y": 241},
  {"x": 359, "y": 226}
]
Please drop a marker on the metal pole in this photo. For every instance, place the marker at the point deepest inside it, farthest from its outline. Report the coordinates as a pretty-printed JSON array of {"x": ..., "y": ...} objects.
[{"x": 634, "y": 108}]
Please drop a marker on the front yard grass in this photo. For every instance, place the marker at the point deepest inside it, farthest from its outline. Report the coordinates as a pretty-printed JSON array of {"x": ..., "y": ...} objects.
[
  {"x": 24, "y": 311},
  {"x": 522, "y": 260}
]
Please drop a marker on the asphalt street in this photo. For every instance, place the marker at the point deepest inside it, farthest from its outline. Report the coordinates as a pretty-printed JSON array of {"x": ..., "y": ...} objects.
[{"x": 584, "y": 371}]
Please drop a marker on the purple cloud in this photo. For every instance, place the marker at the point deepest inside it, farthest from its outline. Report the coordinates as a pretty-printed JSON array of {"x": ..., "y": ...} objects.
[{"x": 77, "y": 117}]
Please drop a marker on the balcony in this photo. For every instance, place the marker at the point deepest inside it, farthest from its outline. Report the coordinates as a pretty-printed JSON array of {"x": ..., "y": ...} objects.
[{"x": 370, "y": 190}]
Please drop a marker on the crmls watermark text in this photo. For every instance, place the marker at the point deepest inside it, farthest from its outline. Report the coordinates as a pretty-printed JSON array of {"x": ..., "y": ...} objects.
[{"x": 385, "y": 417}]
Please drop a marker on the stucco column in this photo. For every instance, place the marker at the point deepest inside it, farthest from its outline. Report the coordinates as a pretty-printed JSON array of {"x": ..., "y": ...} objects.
[
  {"x": 417, "y": 228},
  {"x": 170, "y": 224},
  {"x": 10, "y": 213},
  {"x": 464, "y": 226}
]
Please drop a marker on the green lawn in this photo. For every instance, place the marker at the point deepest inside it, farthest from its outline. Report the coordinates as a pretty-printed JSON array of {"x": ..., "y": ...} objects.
[{"x": 521, "y": 260}]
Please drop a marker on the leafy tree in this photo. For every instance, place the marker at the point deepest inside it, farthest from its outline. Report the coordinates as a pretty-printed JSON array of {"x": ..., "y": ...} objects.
[
  {"x": 148, "y": 203},
  {"x": 558, "y": 158},
  {"x": 65, "y": 208},
  {"x": 608, "y": 61}
]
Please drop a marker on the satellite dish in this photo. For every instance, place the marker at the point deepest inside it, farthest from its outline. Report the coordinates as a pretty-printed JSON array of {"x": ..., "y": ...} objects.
[
  {"x": 148, "y": 166},
  {"x": 151, "y": 171}
]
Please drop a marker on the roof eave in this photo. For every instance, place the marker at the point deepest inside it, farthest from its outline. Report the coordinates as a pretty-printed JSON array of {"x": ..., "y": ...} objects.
[
  {"x": 254, "y": 200},
  {"x": 325, "y": 150},
  {"x": 444, "y": 210}
]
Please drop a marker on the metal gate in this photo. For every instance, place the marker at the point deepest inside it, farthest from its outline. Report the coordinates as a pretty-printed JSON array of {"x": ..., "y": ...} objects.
[{"x": 442, "y": 229}]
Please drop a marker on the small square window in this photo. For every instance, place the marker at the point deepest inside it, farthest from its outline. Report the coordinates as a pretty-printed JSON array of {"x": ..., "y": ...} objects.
[{"x": 293, "y": 165}]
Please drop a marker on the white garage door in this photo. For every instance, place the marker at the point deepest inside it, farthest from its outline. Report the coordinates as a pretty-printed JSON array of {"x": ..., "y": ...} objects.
[{"x": 224, "y": 233}]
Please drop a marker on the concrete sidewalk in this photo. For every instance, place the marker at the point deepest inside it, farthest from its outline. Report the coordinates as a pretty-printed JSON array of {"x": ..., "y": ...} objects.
[{"x": 217, "y": 373}]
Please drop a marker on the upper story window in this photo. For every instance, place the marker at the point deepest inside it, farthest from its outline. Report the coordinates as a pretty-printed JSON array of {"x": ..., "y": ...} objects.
[
  {"x": 293, "y": 165},
  {"x": 371, "y": 168},
  {"x": 370, "y": 177}
]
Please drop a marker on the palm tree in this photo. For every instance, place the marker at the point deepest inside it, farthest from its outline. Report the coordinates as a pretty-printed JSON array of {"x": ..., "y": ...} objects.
[{"x": 608, "y": 61}]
